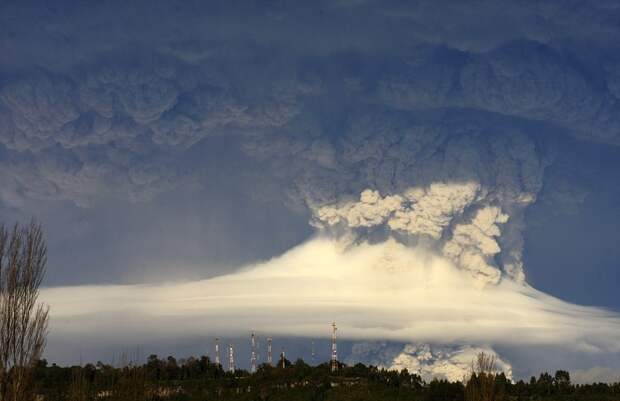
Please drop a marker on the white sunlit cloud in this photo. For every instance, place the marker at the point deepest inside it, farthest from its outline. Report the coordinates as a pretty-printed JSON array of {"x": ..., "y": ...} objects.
[{"x": 382, "y": 291}]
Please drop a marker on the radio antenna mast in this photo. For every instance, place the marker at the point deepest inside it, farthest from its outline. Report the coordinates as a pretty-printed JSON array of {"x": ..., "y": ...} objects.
[
  {"x": 231, "y": 358},
  {"x": 253, "y": 354},
  {"x": 334, "y": 349},
  {"x": 269, "y": 354}
]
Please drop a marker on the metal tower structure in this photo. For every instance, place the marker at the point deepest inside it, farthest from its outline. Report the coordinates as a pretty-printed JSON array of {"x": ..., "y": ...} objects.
[
  {"x": 334, "y": 362},
  {"x": 217, "y": 351},
  {"x": 313, "y": 355},
  {"x": 269, "y": 354},
  {"x": 253, "y": 354},
  {"x": 231, "y": 358},
  {"x": 282, "y": 359}
]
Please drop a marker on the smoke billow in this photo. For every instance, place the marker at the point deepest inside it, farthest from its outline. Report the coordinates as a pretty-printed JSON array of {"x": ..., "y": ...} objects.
[
  {"x": 453, "y": 363},
  {"x": 458, "y": 188}
]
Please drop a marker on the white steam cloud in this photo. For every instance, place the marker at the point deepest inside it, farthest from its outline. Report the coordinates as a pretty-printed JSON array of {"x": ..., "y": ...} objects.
[{"x": 385, "y": 291}]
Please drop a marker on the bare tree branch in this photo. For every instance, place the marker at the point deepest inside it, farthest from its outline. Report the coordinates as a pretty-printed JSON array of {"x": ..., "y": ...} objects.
[{"x": 23, "y": 319}]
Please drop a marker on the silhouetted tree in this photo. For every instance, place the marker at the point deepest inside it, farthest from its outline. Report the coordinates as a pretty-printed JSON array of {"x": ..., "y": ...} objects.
[
  {"x": 23, "y": 320},
  {"x": 562, "y": 380},
  {"x": 483, "y": 385}
]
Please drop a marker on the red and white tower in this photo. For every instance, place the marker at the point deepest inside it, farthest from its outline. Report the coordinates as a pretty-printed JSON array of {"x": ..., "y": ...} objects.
[
  {"x": 253, "y": 354},
  {"x": 269, "y": 353},
  {"x": 334, "y": 362},
  {"x": 231, "y": 358}
]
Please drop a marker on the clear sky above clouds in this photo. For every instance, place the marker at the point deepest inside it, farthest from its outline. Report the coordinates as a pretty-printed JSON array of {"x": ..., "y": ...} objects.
[{"x": 173, "y": 140}]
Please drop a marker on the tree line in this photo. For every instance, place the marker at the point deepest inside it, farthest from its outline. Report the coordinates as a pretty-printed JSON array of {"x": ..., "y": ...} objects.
[{"x": 194, "y": 379}]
